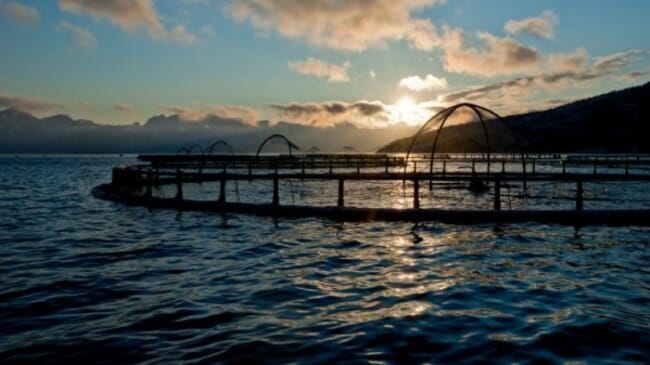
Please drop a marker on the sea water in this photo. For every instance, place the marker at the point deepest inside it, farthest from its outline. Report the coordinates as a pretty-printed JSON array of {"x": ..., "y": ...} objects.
[{"x": 90, "y": 281}]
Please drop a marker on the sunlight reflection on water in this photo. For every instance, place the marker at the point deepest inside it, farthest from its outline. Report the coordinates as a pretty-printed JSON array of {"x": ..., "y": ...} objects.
[{"x": 85, "y": 279}]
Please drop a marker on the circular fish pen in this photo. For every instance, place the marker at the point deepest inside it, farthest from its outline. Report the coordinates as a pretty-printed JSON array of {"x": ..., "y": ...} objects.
[{"x": 416, "y": 186}]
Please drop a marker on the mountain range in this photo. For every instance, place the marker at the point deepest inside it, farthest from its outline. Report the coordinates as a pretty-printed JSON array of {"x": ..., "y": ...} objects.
[
  {"x": 614, "y": 122},
  {"x": 25, "y": 133}
]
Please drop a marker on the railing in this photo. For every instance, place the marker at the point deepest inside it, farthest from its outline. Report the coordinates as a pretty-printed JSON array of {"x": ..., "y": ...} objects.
[{"x": 149, "y": 178}]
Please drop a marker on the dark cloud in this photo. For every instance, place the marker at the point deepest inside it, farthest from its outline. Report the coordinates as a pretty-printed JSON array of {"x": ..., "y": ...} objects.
[
  {"x": 369, "y": 109},
  {"x": 331, "y": 113},
  {"x": 27, "y": 103},
  {"x": 123, "y": 107}
]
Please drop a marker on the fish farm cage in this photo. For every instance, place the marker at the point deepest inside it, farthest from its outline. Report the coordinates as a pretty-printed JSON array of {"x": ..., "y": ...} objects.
[{"x": 420, "y": 185}]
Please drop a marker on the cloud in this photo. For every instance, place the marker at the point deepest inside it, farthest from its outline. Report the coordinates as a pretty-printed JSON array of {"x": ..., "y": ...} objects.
[
  {"x": 617, "y": 61},
  {"x": 208, "y": 30},
  {"x": 633, "y": 75},
  {"x": 542, "y": 26},
  {"x": 322, "y": 69},
  {"x": 581, "y": 73},
  {"x": 127, "y": 14},
  {"x": 20, "y": 13},
  {"x": 83, "y": 36},
  {"x": 567, "y": 62},
  {"x": 27, "y": 103},
  {"x": 498, "y": 56},
  {"x": 330, "y": 113},
  {"x": 429, "y": 82},
  {"x": 202, "y": 111},
  {"x": 342, "y": 25},
  {"x": 372, "y": 74},
  {"x": 123, "y": 107},
  {"x": 202, "y": 2},
  {"x": 180, "y": 34}
]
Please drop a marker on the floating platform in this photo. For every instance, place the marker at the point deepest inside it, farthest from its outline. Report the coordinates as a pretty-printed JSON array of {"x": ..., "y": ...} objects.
[
  {"x": 133, "y": 185},
  {"x": 352, "y": 214}
]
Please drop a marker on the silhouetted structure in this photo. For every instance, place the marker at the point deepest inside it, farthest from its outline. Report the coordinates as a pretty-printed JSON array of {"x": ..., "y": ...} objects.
[
  {"x": 135, "y": 184},
  {"x": 438, "y": 121},
  {"x": 290, "y": 145}
]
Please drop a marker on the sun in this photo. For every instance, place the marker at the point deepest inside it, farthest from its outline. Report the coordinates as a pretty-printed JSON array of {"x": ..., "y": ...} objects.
[
  {"x": 405, "y": 111},
  {"x": 406, "y": 107}
]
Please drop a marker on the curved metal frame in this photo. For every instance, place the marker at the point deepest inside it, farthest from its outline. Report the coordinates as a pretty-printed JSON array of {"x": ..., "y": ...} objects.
[
  {"x": 477, "y": 109},
  {"x": 290, "y": 144},
  {"x": 231, "y": 151},
  {"x": 229, "y": 147},
  {"x": 188, "y": 150}
]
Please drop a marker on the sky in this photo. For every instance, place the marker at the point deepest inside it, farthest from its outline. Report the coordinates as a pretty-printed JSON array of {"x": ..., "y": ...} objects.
[{"x": 320, "y": 62}]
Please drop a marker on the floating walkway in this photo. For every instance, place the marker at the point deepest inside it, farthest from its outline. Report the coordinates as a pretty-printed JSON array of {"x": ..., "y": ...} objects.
[
  {"x": 135, "y": 185},
  {"x": 493, "y": 178}
]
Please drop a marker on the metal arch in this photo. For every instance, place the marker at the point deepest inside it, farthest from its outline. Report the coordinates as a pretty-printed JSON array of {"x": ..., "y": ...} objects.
[
  {"x": 435, "y": 141},
  {"x": 517, "y": 139},
  {"x": 231, "y": 151},
  {"x": 446, "y": 113},
  {"x": 188, "y": 150},
  {"x": 228, "y": 146},
  {"x": 290, "y": 144},
  {"x": 191, "y": 148},
  {"x": 476, "y": 111}
]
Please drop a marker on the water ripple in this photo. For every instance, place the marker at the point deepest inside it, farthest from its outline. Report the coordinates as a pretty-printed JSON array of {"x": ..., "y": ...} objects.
[{"x": 88, "y": 281}]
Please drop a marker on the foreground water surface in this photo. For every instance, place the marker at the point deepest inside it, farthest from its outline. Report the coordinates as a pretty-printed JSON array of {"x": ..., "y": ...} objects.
[{"x": 90, "y": 281}]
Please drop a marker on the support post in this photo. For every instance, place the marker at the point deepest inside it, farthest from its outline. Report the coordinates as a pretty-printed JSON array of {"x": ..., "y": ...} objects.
[
  {"x": 330, "y": 165},
  {"x": 386, "y": 168},
  {"x": 595, "y": 165},
  {"x": 341, "y": 192},
  {"x": 179, "y": 185},
  {"x": 303, "y": 167},
  {"x": 473, "y": 166},
  {"x": 503, "y": 166},
  {"x": 358, "y": 169},
  {"x": 579, "y": 196},
  {"x": 534, "y": 167},
  {"x": 222, "y": 189},
  {"x": 148, "y": 193},
  {"x": 523, "y": 165},
  {"x": 276, "y": 195},
  {"x": 416, "y": 193},
  {"x": 488, "y": 164},
  {"x": 563, "y": 167},
  {"x": 497, "y": 193},
  {"x": 444, "y": 167}
]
